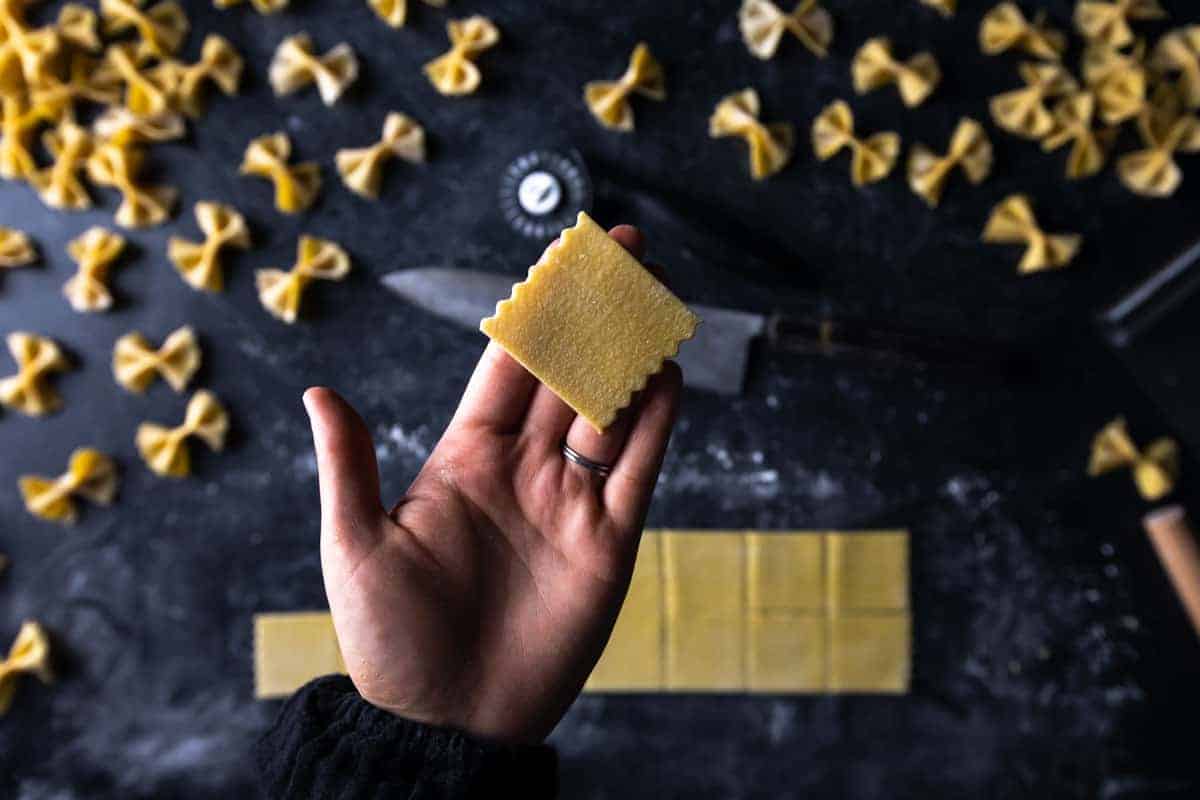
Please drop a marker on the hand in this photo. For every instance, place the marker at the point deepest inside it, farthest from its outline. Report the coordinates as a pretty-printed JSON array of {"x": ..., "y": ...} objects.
[{"x": 484, "y": 598}]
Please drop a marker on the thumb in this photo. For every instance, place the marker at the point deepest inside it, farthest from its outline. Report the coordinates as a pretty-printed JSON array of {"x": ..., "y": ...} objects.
[{"x": 346, "y": 469}]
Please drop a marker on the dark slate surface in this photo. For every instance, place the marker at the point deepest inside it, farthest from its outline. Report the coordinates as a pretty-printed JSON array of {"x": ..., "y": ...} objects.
[{"x": 1050, "y": 658}]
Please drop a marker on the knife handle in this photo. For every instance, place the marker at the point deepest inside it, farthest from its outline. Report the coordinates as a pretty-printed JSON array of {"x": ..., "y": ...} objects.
[{"x": 844, "y": 338}]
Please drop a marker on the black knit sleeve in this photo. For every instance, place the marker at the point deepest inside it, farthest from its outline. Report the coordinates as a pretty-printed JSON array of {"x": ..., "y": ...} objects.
[{"x": 330, "y": 743}]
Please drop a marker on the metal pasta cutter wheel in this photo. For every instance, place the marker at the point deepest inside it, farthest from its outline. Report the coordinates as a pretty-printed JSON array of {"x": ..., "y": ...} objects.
[{"x": 542, "y": 191}]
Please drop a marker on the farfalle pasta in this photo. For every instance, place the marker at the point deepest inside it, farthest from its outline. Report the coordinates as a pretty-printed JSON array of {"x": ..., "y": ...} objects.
[
  {"x": 142, "y": 94},
  {"x": 295, "y": 66},
  {"x": 199, "y": 262},
  {"x": 116, "y": 166},
  {"x": 87, "y": 79},
  {"x": 770, "y": 144},
  {"x": 280, "y": 291},
  {"x": 1178, "y": 52},
  {"x": 29, "y": 391},
  {"x": 1023, "y": 111},
  {"x": 872, "y": 157},
  {"x": 136, "y": 363},
  {"x": 1012, "y": 222},
  {"x": 59, "y": 184},
  {"x": 1155, "y": 469},
  {"x": 94, "y": 251},
  {"x": 1073, "y": 117},
  {"x": 26, "y": 51},
  {"x": 1005, "y": 28},
  {"x": 1165, "y": 131},
  {"x": 763, "y": 24},
  {"x": 609, "y": 100},
  {"x": 120, "y": 126},
  {"x": 16, "y": 248},
  {"x": 219, "y": 64},
  {"x": 395, "y": 12},
  {"x": 455, "y": 72},
  {"x": 362, "y": 168},
  {"x": 944, "y": 7},
  {"x": 969, "y": 149},
  {"x": 1107, "y": 21},
  {"x": 90, "y": 474},
  {"x": 1119, "y": 81},
  {"x": 874, "y": 67},
  {"x": 296, "y": 185},
  {"x": 29, "y": 655},
  {"x": 17, "y": 129},
  {"x": 165, "y": 450},
  {"x": 160, "y": 27},
  {"x": 78, "y": 26},
  {"x": 261, "y": 6}
]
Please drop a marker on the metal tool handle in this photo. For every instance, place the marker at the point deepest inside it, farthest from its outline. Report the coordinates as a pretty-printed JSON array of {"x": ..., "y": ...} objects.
[
  {"x": 840, "y": 337},
  {"x": 1152, "y": 299}
]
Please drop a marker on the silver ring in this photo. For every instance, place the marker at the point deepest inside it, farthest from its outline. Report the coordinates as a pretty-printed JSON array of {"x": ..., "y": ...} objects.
[{"x": 575, "y": 457}]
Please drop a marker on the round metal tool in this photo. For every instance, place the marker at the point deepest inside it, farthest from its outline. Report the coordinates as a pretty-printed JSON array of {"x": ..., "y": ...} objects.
[{"x": 542, "y": 191}]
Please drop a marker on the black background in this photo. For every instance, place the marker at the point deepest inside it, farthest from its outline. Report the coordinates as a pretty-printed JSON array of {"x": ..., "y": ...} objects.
[{"x": 1051, "y": 659}]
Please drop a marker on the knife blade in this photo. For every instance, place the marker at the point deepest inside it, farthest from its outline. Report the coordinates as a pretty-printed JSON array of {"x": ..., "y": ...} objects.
[
  {"x": 713, "y": 360},
  {"x": 716, "y": 358}
]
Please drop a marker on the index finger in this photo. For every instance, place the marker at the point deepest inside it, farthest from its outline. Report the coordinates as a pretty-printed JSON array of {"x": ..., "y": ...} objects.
[{"x": 631, "y": 484}]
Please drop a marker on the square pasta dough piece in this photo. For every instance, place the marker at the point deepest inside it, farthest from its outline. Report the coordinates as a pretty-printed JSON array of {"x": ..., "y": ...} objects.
[
  {"x": 868, "y": 571},
  {"x": 633, "y": 659},
  {"x": 785, "y": 571},
  {"x": 704, "y": 598},
  {"x": 290, "y": 649},
  {"x": 591, "y": 322},
  {"x": 787, "y": 652},
  {"x": 870, "y": 653}
]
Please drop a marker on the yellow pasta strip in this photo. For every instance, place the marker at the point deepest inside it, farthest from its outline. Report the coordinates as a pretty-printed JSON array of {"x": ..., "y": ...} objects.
[
  {"x": 590, "y": 322},
  {"x": 728, "y": 611},
  {"x": 292, "y": 648}
]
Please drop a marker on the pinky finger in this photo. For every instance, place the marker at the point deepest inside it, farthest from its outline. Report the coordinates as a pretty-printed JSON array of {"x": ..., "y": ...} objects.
[{"x": 629, "y": 488}]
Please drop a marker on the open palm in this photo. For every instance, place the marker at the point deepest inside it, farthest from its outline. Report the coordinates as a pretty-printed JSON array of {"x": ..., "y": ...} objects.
[{"x": 484, "y": 598}]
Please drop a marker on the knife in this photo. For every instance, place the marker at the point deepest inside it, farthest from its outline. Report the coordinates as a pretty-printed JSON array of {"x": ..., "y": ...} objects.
[{"x": 716, "y": 358}]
